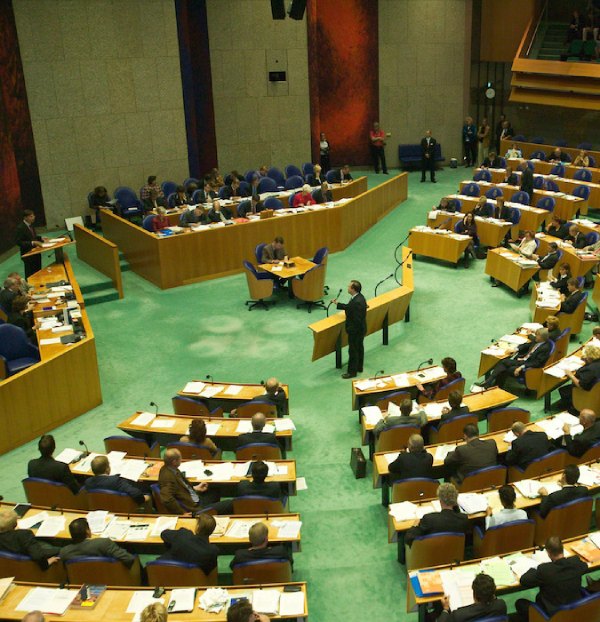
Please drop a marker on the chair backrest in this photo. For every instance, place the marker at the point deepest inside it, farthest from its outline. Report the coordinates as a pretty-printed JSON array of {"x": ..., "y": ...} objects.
[
  {"x": 546, "y": 203},
  {"x": 160, "y": 507},
  {"x": 538, "y": 140},
  {"x": 223, "y": 191},
  {"x": 23, "y": 568},
  {"x": 168, "y": 187},
  {"x": 583, "y": 192},
  {"x": 111, "y": 500},
  {"x": 484, "y": 478},
  {"x": 592, "y": 160},
  {"x": 503, "y": 418},
  {"x": 585, "y": 145},
  {"x": 538, "y": 155},
  {"x": 452, "y": 430},
  {"x": 248, "y": 175},
  {"x": 573, "y": 320},
  {"x": 586, "y": 608},
  {"x": 515, "y": 216},
  {"x": 310, "y": 288},
  {"x": 47, "y": 493},
  {"x": 276, "y": 175},
  {"x": 179, "y": 574},
  {"x": 538, "y": 182},
  {"x": 561, "y": 143},
  {"x": 396, "y": 398},
  {"x": 126, "y": 197},
  {"x": 188, "y": 406},
  {"x": 147, "y": 222},
  {"x": 472, "y": 190},
  {"x": 255, "y": 504},
  {"x": 520, "y": 197},
  {"x": 561, "y": 344},
  {"x": 191, "y": 451},
  {"x": 273, "y": 203},
  {"x": 102, "y": 571},
  {"x": 505, "y": 538},
  {"x": 171, "y": 199},
  {"x": 551, "y": 462},
  {"x": 455, "y": 385},
  {"x": 321, "y": 256},
  {"x": 592, "y": 454},
  {"x": 414, "y": 489},
  {"x": 494, "y": 193},
  {"x": 519, "y": 137},
  {"x": 258, "y": 451},
  {"x": 262, "y": 571},
  {"x": 592, "y": 238},
  {"x": 295, "y": 181},
  {"x": 558, "y": 169},
  {"x": 248, "y": 409},
  {"x": 587, "y": 399},
  {"x": 291, "y": 198},
  {"x": 132, "y": 446},
  {"x": 190, "y": 180},
  {"x": 267, "y": 184},
  {"x": 258, "y": 250},
  {"x": 583, "y": 174},
  {"x": 291, "y": 170},
  {"x": 14, "y": 343},
  {"x": 552, "y": 185},
  {"x": 332, "y": 176},
  {"x": 396, "y": 437},
  {"x": 435, "y": 550},
  {"x": 258, "y": 288},
  {"x": 530, "y": 165},
  {"x": 482, "y": 175},
  {"x": 569, "y": 520},
  {"x": 309, "y": 169}
]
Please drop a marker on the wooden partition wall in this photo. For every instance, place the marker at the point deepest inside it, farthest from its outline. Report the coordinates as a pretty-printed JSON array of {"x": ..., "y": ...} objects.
[{"x": 201, "y": 255}]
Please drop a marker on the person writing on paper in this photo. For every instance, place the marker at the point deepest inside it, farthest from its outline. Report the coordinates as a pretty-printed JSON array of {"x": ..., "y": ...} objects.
[
  {"x": 584, "y": 378},
  {"x": 416, "y": 462},
  {"x": 508, "y": 513},
  {"x": 561, "y": 281},
  {"x": 180, "y": 197},
  {"x": 83, "y": 545},
  {"x": 323, "y": 194},
  {"x": 578, "y": 444},
  {"x": 428, "y": 391},
  {"x": 217, "y": 213},
  {"x": 260, "y": 549},
  {"x": 576, "y": 238},
  {"x": 258, "y": 486},
  {"x": 192, "y": 548},
  {"x": 242, "y": 611},
  {"x": 486, "y": 604},
  {"x": 474, "y": 455},
  {"x": 257, "y": 435},
  {"x": 559, "y": 581},
  {"x": 405, "y": 417},
  {"x": 155, "y": 612},
  {"x": 528, "y": 446},
  {"x": 274, "y": 252},
  {"x": 197, "y": 436},
  {"x": 454, "y": 409},
  {"x": 569, "y": 491},
  {"x": 356, "y": 327},
  {"x": 253, "y": 206},
  {"x": 194, "y": 216},
  {"x": 304, "y": 197},
  {"x": 527, "y": 246},
  {"x": 46, "y": 467},
  {"x": 102, "y": 479},
  {"x": 23, "y": 542}
]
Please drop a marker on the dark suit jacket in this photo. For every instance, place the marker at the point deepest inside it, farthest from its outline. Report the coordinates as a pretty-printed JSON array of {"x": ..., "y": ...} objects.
[
  {"x": 527, "y": 181},
  {"x": 6, "y": 299},
  {"x": 512, "y": 180},
  {"x": 439, "y": 522},
  {"x": 213, "y": 216},
  {"x": 116, "y": 483},
  {"x": 49, "y": 468},
  {"x": 561, "y": 231},
  {"x": 474, "y": 455},
  {"x": 577, "y": 445},
  {"x": 570, "y": 304},
  {"x": 278, "y": 398},
  {"x": 185, "y": 546},
  {"x": 266, "y": 489},
  {"x": 502, "y": 213},
  {"x": 559, "y": 582},
  {"x": 97, "y": 547},
  {"x": 269, "y": 253},
  {"x": 356, "y": 315},
  {"x": 428, "y": 150},
  {"x": 588, "y": 375},
  {"x": 256, "y": 437},
  {"x": 454, "y": 412},
  {"x": 228, "y": 192},
  {"x": 24, "y": 237},
  {"x": 338, "y": 176},
  {"x": 474, "y": 612},
  {"x": 268, "y": 553},
  {"x": 527, "y": 447},
  {"x": 173, "y": 491},
  {"x": 495, "y": 163},
  {"x": 566, "y": 494},
  {"x": 23, "y": 542},
  {"x": 321, "y": 197},
  {"x": 548, "y": 261},
  {"x": 537, "y": 357},
  {"x": 316, "y": 181},
  {"x": 412, "y": 464},
  {"x": 561, "y": 284}
]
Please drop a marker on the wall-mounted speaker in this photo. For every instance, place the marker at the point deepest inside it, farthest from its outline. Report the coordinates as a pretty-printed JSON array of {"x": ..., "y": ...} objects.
[
  {"x": 297, "y": 9},
  {"x": 278, "y": 9}
]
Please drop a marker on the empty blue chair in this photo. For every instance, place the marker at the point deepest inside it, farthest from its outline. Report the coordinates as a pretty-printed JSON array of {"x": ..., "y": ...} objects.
[
  {"x": 592, "y": 237},
  {"x": 494, "y": 193},
  {"x": 538, "y": 182},
  {"x": 515, "y": 216},
  {"x": 267, "y": 184},
  {"x": 502, "y": 162},
  {"x": 248, "y": 175},
  {"x": 482, "y": 175},
  {"x": 16, "y": 351},
  {"x": 519, "y": 138},
  {"x": 293, "y": 182},
  {"x": 223, "y": 192},
  {"x": 168, "y": 187},
  {"x": 258, "y": 252},
  {"x": 584, "y": 145},
  {"x": 472, "y": 190},
  {"x": 583, "y": 192},
  {"x": 320, "y": 255},
  {"x": 273, "y": 203},
  {"x": 245, "y": 188},
  {"x": 457, "y": 204},
  {"x": 561, "y": 143},
  {"x": 583, "y": 175},
  {"x": 558, "y": 169},
  {"x": 171, "y": 200},
  {"x": 291, "y": 170},
  {"x": 592, "y": 160},
  {"x": 309, "y": 179},
  {"x": 147, "y": 222},
  {"x": 521, "y": 197},
  {"x": 314, "y": 194},
  {"x": 309, "y": 169},
  {"x": 538, "y": 140},
  {"x": 190, "y": 180},
  {"x": 332, "y": 177},
  {"x": 129, "y": 204},
  {"x": 197, "y": 196},
  {"x": 530, "y": 165},
  {"x": 546, "y": 203},
  {"x": 566, "y": 157},
  {"x": 276, "y": 175},
  {"x": 552, "y": 185},
  {"x": 538, "y": 155}
]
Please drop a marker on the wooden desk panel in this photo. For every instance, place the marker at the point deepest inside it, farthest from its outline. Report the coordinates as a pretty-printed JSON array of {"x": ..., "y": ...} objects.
[
  {"x": 580, "y": 265},
  {"x": 490, "y": 233},
  {"x": 506, "y": 270},
  {"x": 528, "y": 148},
  {"x": 437, "y": 246}
]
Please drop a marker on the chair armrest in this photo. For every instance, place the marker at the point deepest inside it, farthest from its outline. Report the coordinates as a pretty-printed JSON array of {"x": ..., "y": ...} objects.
[{"x": 3, "y": 370}]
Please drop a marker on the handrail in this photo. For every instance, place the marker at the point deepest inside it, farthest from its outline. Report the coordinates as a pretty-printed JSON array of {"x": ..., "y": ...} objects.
[
  {"x": 530, "y": 33},
  {"x": 539, "y": 21}
]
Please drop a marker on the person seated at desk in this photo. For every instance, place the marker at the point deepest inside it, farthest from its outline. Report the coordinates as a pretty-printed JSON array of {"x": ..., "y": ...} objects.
[
  {"x": 258, "y": 486},
  {"x": 323, "y": 194},
  {"x": 492, "y": 161},
  {"x": 475, "y": 454},
  {"x": 582, "y": 159},
  {"x": 557, "y": 156},
  {"x": 180, "y": 197},
  {"x": 195, "y": 216},
  {"x": 548, "y": 261},
  {"x": 304, "y": 197},
  {"x": 23, "y": 542},
  {"x": 343, "y": 174},
  {"x": 486, "y": 604},
  {"x": 559, "y": 581},
  {"x": 578, "y": 444},
  {"x": 573, "y": 298},
  {"x": 218, "y": 214},
  {"x": 192, "y": 548},
  {"x": 584, "y": 378},
  {"x": 508, "y": 513},
  {"x": 415, "y": 462},
  {"x": 215, "y": 178},
  {"x": 24, "y": 287},
  {"x": 274, "y": 252},
  {"x": 561, "y": 281},
  {"x": 558, "y": 228},
  {"x": 104, "y": 480},
  {"x": 257, "y": 435},
  {"x": 449, "y": 367},
  {"x": 274, "y": 394},
  {"x": 46, "y": 467},
  {"x": 208, "y": 194},
  {"x": 569, "y": 491},
  {"x": 233, "y": 189},
  {"x": 510, "y": 178},
  {"x": 152, "y": 195},
  {"x": 446, "y": 205},
  {"x": 527, "y": 447},
  {"x": 190, "y": 188},
  {"x": 527, "y": 246},
  {"x": 197, "y": 436},
  {"x": 99, "y": 200},
  {"x": 531, "y": 355},
  {"x": 154, "y": 612},
  {"x": 576, "y": 237},
  {"x": 254, "y": 185},
  {"x": 404, "y": 418},
  {"x": 160, "y": 221},
  {"x": 22, "y": 317},
  {"x": 450, "y": 518},
  {"x": 235, "y": 174},
  {"x": 317, "y": 180},
  {"x": 500, "y": 211},
  {"x": 8, "y": 293},
  {"x": 468, "y": 226},
  {"x": 513, "y": 152},
  {"x": 260, "y": 549},
  {"x": 253, "y": 205},
  {"x": 482, "y": 208},
  {"x": 242, "y": 611},
  {"x": 455, "y": 409}
]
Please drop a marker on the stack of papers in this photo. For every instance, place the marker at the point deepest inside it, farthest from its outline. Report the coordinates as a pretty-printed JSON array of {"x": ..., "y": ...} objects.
[
  {"x": 221, "y": 528},
  {"x": 372, "y": 414},
  {"x": 514, "y": 339},
  {"x": 520, "y": 563},
  {"x": 457, "y": 585},
  {"x": 391, "y": 456},
  {"x": 133, "y": 469},
  {"x": 48, "y": 600},
  {"x": 163, "y": 422},
  {"x": 406, "y": 510},
  {"x": 588, "y": 477},
  {"x": 499, "y": 570},
  {"x": 442, "y": 451},
  {"x": 212, "y": 428},
  {"x": 530, "y": 488},
  {"x": 51, "y": 527},
  {"x": 69, "y": 455},
  {"x": 509, "y": 437},
  {"x": 211, "y": 390},
  {"x": 244, "y": 426},
  {"x": 32, "y": 519},
  {"x": 138, "y": 531},
  {"x": 116, "y": 530},
  {"x": 569, "y": 363},
  {"x": 266, "y": 601},
  {"x": 239, "y": 529},
  {"x": 162, "y": 523},
  {"x": 233, "y": 389},
  {"x": 472, "y": 503},
  {"x": 291, "y": 604},
  {"x": 553, "y": 426},
  {"x": 287, "y": 528},
  {"x": 429, "y": 375},
  {"x": 284, "y": 425},
  {"x": 193, "y": 469},
  {"x": 182, "y": 599},
  {"x": 98, "y": 520},
  {"x": 401, "y": 380},
  {"x": 140, "y": 600},
  {"x": 193, "y": 387},
  {"x": 143, "y": 419}
]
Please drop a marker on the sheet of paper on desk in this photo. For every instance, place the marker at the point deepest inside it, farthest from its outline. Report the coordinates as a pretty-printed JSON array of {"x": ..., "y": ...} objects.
[
  {"x": 269, "y": 428},
  {"x": 163, "y": 423},
  {"x": 85, "y": 465},
  {"x": 193, "y": 468},
  {"x": 516, "y": 339},
  {"x": 499, "y": 570},
  {"x": 365, "y": 385},
  {"x": 433, "y": 410},
  {"x": 62, "y": 329},
  {"x": 401, "y": 380},
  {"x": 390, "y": 457},
  {"x": 193, "y": 387},
  {"x": 266, "y": 601},
  {"x": 288, "y": 528},
  {"x": 372, "y": 414},
  {"x": 69, "y": 455},
  {"x": 442, "y": 451},
  {"x": 291, "y": 604},
  {"x": 532, "y": 326},
  {"x": 393, "y": 410},
  {"x": 233, "y": 389},
  {"x": 51, "y": 527},
  {"x": 211, "y": 390},
  {"x": 239, "y": 529},
  {"x": 595, "y": 538},
  {"x": 509, "y": 437},
  {"x": 276, "y": 268},
  {"x": 427, "y": 375},
  {"x": 567, "y": 417},
  {"x": 115, "y": 459},
  {"x": 138, "y": 531},
  {"x": 97, "y": 520},
  {"x": 183, "y": 599},
  {"x": 541, "y": 557},
  {"x": 405, "y": 510},
  {"x": 212, "y": 428},
  {"x": 520, "y": 563},
  {"x": 457, "y": 585},
  {"x": 587, "y": 476},
  {"x": 162, "y": 523},
  {"x": 140, "y": 600},
  {"x": 244, "y": 426},
  {"x": 143, "y": 419},
  {"x": 116, "y": 530},
  {"x": 472, "y": 503},
  {"x": 47, "y": 600},
  {"x": 222, "y": 471},
  {"x": 240, "y": 469},
  {"x": 284, "y": 425},
  {"x": 30, "y": 520},
  {"x": 133, "y": 469},
  {"x": 50, "y": 341}
]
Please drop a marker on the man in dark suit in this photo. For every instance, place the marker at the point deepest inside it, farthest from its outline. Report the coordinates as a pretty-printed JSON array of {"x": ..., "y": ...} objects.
[
  {"x": 356, "y": 327},
  {"x": 260, "y": 549},
  {"x": 569, "y": 491},
  {"x": 192, "y": 548},
  {"x": 428, "y": 144},
  {"x": 528, "y": 446},
  {"x": 84, "y": 545},
  {"x": 548, "y": 261},
  {"x": 257, "y": 435},
  {"x": 527, "y": 180},
  {"x": 273, "y": 252},
  {"x": 448, "y": 519},
  {"x": 475, "y": 454},
  {"x": 486, "y": 604},
  {"x": 27, "y": 239},
  {"x": 578, "y": 444},
  {"x": 416, "y": 462},
  {"x": 559, "y": 580},
  {"x": 104, "y": 480},
  {"x": 258, "y": 486},
  {"x": 571, "y": 302},
  {"x": 584, "y": 378},
  {"x": 454, "y": 409},
  {"x": 8, "y": 293},
  {"x": 46, "y": 467},
  {"x": 323, "y": 194},
  {"x": 253, "y": 205},
  {"x": 23, "y": 542},
  {"x": 500, "y": 211},
  {"x": 533, "y": 355},
  {"x": 343, "y": 174},
  {"x": 274, "y": 394},
  {"x": 218, "y": 214},
  {"x": 492, "y": 161},
  {"x": 404, "y": 418}
]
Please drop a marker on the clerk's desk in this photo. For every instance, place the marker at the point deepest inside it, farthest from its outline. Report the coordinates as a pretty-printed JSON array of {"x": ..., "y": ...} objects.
[
  {"x": 62, "y": 386},
  {"x": 329, "y": 334},
  {"x": 528, "y": 148},
  {"x": 225, "y": 437},
  {"x": 112, "y": 606},
  {"x": 491, "y": 232},
  {"x": 197, "y": 256},
  {"x": 154, "y": 543},
  {"x": 543, "y": 167}
]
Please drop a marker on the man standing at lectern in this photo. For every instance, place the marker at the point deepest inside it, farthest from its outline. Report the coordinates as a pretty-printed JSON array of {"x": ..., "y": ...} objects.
[{"x": 356, "y": 327}]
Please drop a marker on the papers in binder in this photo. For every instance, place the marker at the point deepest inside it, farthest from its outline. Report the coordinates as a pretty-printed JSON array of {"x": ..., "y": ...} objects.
[
  {"x": 68, "y": 455},
  {"x": 143, "y": 419},
  {"x": 47, "y": 600},
  {"x": 442, "y": 451},
  {"x": 372, "y": 414},
  {"x": 182, "y": 599},
  {"x": 193, "y": 387},
  {"x": 163, "y": 423},
  {"x": 457, "y": 585},
  {"x": 138, "y": 531},
  {"x": 499, "y": 570},
  {"x": 284, "y": 425},
  {"x": 290, "y": 604},
  {"x": 520, "y": 564},
  {"x": 233, "y": 389},
  {"x": 266, "y": 601},
  {"x": 162, "y": 523},
  {"x": 32, "y": 519},
  {"x": 472, "y": 503},
  {"x": 212, "y": 429}
]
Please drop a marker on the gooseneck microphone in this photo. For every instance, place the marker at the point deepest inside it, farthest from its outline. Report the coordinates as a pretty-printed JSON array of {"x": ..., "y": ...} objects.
[
  {"x": 427, "y": 362},
  {"x": 87, "y": 451},
  {"x": 379, "y": 373},
  {"x": 155, "y": 407},
  {"x": 331, "y": 301},
  {"x": 210, "y": 378}
]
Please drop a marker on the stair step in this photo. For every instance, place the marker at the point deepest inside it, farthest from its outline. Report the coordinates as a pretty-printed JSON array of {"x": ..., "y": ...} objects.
[
  {"x": 96, "y": 287},
  {"x": 98, "y": 298}
]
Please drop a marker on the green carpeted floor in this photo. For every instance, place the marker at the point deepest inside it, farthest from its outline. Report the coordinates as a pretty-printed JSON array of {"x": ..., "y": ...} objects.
[{"x": 153, "y": 341}]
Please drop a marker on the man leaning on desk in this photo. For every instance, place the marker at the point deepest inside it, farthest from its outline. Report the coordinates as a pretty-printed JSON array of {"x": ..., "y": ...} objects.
[{"x": 273, "y": 252}]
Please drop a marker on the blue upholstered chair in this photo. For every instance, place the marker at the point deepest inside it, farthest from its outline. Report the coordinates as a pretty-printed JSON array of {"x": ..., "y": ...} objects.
[
  {"x": 583, "y": 175},
  {"x": 273, "y": 203},
  {"x": 147, "y": 222},
  {"x": 16, "y": 351},
  {"x": 293, "y": 182},
  {"x": 129, "y": 204},
  {"x": 546, "y": 203},
  {"x": 494, "y": 193},
  {"x": 472, "y": 190},
  {"x": 168, "y": 187},
  {"x": 482, "y": 175},
  {"x": 276, "y": 175},
  {"x": 291, "y": 170},
  {"x": 267, "y": 184},
  {"x": 520, "y": 197}
]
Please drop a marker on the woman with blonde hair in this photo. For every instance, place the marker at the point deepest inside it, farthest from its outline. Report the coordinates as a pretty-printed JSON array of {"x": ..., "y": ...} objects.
[{"x": 156, "y": 612}]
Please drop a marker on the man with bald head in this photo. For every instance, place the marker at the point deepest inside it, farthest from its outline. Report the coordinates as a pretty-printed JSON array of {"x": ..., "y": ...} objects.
[
  {"x": 528, "y": 446},
  {"x": 578, "y": 444},
  {"x": 260, "y": 549},
  {"x": 33, "y": 616},
  {"x": 274, "y": 394},
  {"x": 23, "y": 542},
  {"x": 257, "y": 435},
  {"x": 416, "y": 462}
]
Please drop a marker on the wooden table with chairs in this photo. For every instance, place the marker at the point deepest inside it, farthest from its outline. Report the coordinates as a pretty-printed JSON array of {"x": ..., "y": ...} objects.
[
  {"x": 438, "y": 244},
  {"x": 504, "y": 265},
  {"x": 491, "y": 232}
]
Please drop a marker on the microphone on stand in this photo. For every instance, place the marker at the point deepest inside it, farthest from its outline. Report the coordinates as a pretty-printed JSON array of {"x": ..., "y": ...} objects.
[
  {"x": 210, "y": 378},
  {"x": 87, "y": 451},
  {"x": 427, "y": 362},
  {"x": 389, "y": 276},
  {"x": 155, "y": 406},
  {"x": 377, "y": 374},
  {"x": 331, "y": 301}
]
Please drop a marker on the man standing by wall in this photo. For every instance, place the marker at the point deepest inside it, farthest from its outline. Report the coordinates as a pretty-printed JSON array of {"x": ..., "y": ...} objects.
[
  {"x": 377, "y": 137},
  {"x": 428, "y": 144}
]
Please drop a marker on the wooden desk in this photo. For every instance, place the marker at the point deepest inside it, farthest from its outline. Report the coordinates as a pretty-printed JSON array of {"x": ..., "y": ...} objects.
[
  {"x": 579, "y": 263},
  {"x": 51, "y": 245},
  {"x": 301, "y": 266},
  {"x": 196, "y": 256},
  {"x": 528, "y": 148},
  {"x": 501, "y": 264},
  {"x": 113, "y": 604},
  {"x": 539, "y": 314},
  {"x": 487, "y": 361},
  {"x": 446, "y": 247},
  {"x": 490, "y": 232},
  {"x": 541, "y": 166}
]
